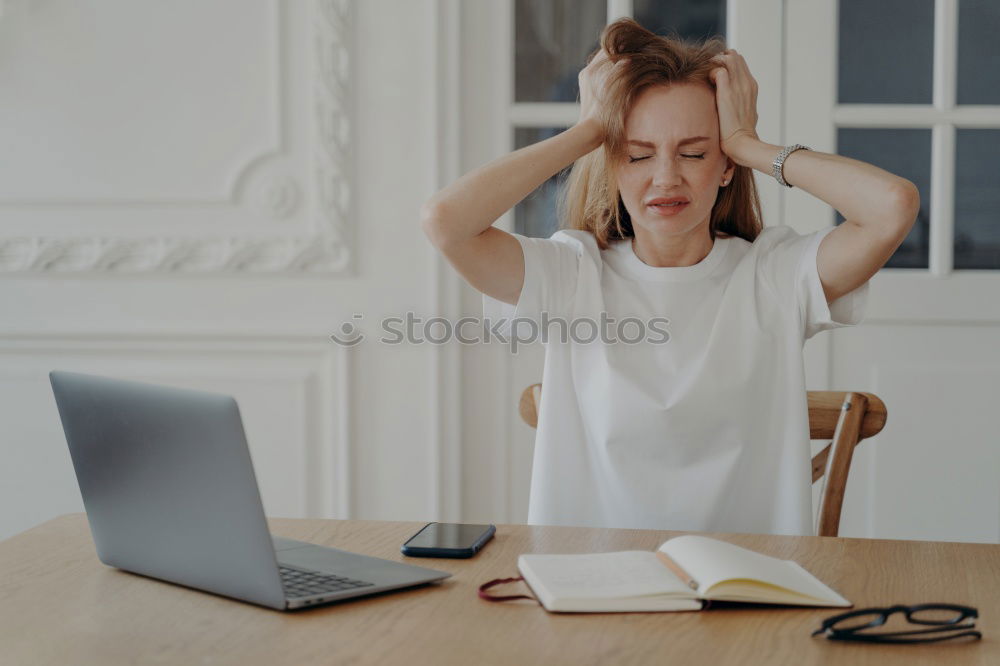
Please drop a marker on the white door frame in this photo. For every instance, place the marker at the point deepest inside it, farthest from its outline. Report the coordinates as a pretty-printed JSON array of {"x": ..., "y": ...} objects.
[{"x": 913, "y": 314}]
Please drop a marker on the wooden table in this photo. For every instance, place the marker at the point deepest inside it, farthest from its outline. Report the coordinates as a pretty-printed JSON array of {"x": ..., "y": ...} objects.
[{"x": 60, "y": 605}]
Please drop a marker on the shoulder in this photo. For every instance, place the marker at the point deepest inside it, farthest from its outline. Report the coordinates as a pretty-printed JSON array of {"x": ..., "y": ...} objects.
[
  {"x": 582, "y": 242},
  {"x": 783, "y": 243},
  {"x": 771, "y": 237}
]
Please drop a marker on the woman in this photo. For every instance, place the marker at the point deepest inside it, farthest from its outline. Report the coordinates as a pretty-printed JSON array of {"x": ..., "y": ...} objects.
[{"x": 702, "y": 423}]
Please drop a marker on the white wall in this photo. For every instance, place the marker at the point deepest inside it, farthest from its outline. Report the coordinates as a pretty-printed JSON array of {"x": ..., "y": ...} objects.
[
  {"x": 173, "y": 209},
  {"x": 333, "y": 432}
]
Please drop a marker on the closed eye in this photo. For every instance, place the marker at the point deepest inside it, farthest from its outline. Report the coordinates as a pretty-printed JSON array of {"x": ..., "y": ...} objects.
[{"x": 699, "y": 156}]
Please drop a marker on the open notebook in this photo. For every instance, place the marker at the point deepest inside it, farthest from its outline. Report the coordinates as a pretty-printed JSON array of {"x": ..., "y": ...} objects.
[{"x": 682, "y": 574}]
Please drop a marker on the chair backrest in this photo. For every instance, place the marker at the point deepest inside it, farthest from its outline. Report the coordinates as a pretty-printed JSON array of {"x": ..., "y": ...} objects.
[{"x": 845, "y": 417}]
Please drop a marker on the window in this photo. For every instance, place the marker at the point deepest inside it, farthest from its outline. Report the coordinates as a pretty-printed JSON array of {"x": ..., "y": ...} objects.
[{"x": 924, "y": 103}]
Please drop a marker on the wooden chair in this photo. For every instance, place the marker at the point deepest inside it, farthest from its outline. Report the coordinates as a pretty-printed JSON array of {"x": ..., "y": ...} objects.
[{"x": 846, "y": 417}]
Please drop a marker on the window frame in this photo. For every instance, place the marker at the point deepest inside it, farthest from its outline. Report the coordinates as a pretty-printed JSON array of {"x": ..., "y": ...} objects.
[{"x": 943, "y": 117}]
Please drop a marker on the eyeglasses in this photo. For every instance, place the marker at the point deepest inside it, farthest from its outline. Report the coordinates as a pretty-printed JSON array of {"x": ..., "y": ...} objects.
[{"x": 855, "y": 625}]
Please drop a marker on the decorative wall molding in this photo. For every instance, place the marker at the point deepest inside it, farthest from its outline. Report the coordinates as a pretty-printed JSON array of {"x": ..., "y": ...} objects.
[{"x": 325, "y": 248}]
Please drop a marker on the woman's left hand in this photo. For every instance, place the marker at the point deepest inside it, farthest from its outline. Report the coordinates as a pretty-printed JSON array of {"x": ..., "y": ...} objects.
[{"x": 736, "y": 101}]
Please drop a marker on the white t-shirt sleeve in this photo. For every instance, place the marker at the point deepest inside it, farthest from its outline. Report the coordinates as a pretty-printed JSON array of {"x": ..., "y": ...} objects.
[
  {"x": 551, "y": 267},
  {"x": 790, "y": 267}
]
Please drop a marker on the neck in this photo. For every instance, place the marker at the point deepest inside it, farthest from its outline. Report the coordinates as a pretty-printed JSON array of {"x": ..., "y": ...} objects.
[{"x": 671, "y": 251}]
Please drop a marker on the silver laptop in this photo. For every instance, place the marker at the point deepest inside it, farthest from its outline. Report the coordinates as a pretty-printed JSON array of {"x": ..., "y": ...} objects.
[{"x": 170, "y": 493}]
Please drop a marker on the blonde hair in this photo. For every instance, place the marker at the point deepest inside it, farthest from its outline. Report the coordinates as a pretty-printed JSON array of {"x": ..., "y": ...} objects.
[{"x": 590, "y": 200}]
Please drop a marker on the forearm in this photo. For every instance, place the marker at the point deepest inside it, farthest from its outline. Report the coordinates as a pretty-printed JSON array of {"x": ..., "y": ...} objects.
[
  {"x": 471, "y": 204},
  {"x": 861, "y": 192}
]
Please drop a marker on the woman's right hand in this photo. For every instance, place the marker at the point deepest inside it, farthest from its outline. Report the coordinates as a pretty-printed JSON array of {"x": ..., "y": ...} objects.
[{"x": 593, "y": 81}]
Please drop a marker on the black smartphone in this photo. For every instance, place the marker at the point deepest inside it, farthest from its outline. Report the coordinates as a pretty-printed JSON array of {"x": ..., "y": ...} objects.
[{"x": 448, "y": 540}]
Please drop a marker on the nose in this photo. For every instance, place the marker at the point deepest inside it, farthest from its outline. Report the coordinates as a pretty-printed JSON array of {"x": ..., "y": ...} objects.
[{"x": 666, "y": 173}]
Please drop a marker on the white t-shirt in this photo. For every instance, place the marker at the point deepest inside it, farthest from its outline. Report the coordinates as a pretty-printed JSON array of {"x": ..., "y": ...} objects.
[{"x": 701, "y": 425}]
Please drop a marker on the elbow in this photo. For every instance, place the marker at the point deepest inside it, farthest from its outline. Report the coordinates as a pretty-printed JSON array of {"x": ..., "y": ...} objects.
[
  {"x": 432, "y": 221},
  {"x": 905, "y": 205}
]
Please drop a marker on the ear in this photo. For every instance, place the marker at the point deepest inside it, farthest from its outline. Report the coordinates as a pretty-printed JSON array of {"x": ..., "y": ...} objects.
[{"x": 727, "y": 175}]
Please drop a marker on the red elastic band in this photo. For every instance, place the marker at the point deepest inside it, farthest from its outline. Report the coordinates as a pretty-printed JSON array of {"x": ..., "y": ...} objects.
[{"x": 501, "y": 581}]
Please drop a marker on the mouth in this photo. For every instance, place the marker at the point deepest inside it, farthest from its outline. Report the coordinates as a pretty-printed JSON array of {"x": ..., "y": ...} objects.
[{"x": 667, "y": 206}]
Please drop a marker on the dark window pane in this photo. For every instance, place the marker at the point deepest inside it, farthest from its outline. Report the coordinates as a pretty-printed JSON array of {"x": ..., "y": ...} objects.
[
  {"x": 977, "y": 199},
  {"x": 536, "y": 215},
  {"x": 906, "y": 153},
  {"x": 691, "y": 19},
  {"x": 886, "y": 52},
  {"x": 552, "y": 39},
  {"x": 978, "y": 52}
]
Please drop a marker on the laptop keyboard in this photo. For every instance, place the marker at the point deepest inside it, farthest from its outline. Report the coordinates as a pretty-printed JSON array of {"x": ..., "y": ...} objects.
[{"x": 302, "y": 583}]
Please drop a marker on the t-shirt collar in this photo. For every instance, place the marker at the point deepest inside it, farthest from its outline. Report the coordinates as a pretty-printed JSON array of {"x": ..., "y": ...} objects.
[{"x": 626, "y": 261}]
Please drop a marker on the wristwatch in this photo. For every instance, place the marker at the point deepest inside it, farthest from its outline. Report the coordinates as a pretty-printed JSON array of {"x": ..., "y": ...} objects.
[{"x": 779, "y": 162}]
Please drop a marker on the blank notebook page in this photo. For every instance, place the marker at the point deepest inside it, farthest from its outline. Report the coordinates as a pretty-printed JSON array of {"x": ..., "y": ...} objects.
[
  {"x": 710, "y": 561},
  {"x": 603, "y": 575}
]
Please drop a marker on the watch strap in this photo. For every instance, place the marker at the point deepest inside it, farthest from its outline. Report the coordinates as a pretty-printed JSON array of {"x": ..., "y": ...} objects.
[{"x": 777, "y": 167}]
